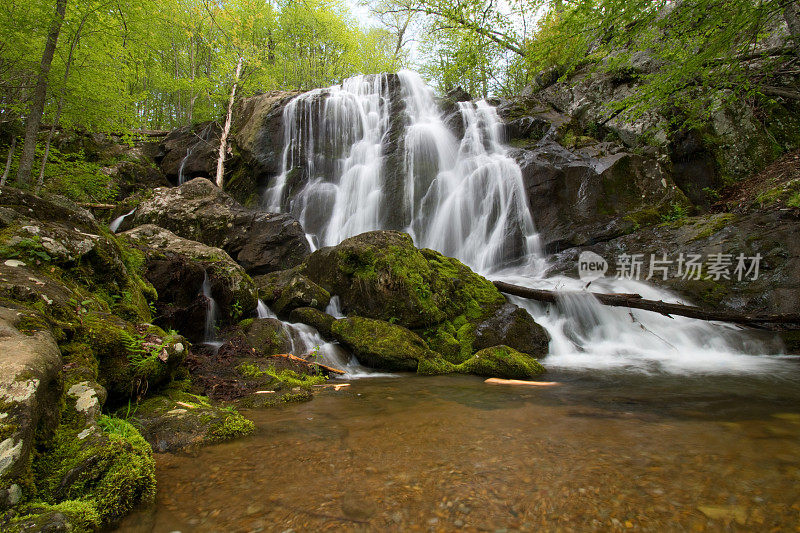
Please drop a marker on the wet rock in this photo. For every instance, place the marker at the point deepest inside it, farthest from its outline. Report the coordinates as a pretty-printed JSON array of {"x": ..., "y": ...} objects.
[
  {"x": 177, "y": 268},
  {"x": 513, "y": 327},
  {"x": 771, "y": 233},
  {"x": 315, "y": 318},
  {"x": 379, "y": 344},
  {"x": 257, "y": 142},
  {"x": 288, "y": 290},
  {"x": 579, "y": 199},
  {"x": 267, "y": 336},
  {"x": 177, "y": 420},
  {"x": 501, "y": 362},
  {"x": 198, "y": 210}
]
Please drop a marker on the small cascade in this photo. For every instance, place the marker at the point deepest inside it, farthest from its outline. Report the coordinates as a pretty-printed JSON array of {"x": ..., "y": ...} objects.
[
  {"x": 335, "y": 307},
  {"x": 306, "y": 342},
  {"x": 212, "y": 314},
  {"x": 117, "y": 222},
  {"x": 465, "y": 197},
  {"x": 263, "y": 311},
  {"x": 201, "y": 138}
]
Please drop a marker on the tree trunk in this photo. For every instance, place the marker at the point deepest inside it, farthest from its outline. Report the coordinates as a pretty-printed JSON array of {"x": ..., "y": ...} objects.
[
  {"x": 39, "y": 95},
  {"x": 61, "y": 97},
  {"x": 635, "y": 301},
  {"x": 8, "y": 161},
  {"x": 223, "y": 139}
]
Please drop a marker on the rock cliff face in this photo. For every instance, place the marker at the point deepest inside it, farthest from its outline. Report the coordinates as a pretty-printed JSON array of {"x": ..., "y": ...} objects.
[{"x": 198, "y": 210}]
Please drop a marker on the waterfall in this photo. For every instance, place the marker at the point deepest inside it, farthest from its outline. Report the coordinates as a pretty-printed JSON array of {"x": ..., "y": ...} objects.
[
  {"x": 117, "y": 222},
  {"x": 377, "y": 152},
  {"x": 212, "y": 314}
]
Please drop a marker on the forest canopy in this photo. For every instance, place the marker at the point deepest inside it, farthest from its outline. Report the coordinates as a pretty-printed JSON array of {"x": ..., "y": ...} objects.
[
  {"x": 163, "y": 63},
  {"x": 117, "y": 65}
]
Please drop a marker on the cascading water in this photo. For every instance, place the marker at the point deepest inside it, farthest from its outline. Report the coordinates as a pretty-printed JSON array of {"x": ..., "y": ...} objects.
[
  {"x": 342, "y": 176},
  {"x": 210, "y": 330},
  {"x": 305, "y": 341},
  {"x": 117, "y": 222}
]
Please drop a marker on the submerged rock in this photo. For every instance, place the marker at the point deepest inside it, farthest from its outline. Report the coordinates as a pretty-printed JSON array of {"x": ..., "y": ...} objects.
[{"x": 198, "y": 210}]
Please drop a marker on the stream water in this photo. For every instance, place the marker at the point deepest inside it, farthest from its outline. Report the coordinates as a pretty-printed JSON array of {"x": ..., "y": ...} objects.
[
  {"x": 600, "y": 452},
  {"x": 658, "y": 424}
]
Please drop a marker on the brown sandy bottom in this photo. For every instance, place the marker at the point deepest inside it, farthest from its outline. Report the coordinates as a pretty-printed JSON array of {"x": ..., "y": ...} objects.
[{"x": 441, "y": 454}]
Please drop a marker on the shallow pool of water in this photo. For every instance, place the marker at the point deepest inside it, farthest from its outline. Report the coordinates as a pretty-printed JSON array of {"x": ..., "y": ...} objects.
[{"x": 600, "y": 452}]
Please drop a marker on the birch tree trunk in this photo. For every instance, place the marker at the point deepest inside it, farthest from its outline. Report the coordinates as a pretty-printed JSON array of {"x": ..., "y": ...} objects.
[
  {"x": 223, "y": 139},
  {"x": 8, "y": 161}
]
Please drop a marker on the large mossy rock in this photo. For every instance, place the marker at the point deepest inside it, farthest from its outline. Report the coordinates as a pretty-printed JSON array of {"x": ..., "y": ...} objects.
[
  {"x": 382, "y": 275},
  {"x": 382, "y": 345},
  {"x": 176, "y": 420},
  {"x": 178, "y": 267},
  {"x": 198, "y": 210},
  {"x": 412, "y": 309}
]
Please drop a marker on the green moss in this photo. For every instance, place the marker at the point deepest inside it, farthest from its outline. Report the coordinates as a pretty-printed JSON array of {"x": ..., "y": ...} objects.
[
  {"x": 644, "y": 217},
  {"x": 111, "y": 472},
  {"x": 287, "y": 378},
  {"x": 502, "y": 362},
  {"x": 232, "y": 427},
  {"x": 708, "y": 226},
  {"x": 379, "y": 344},
  {"x": 435, "y": 367},
  {"x": 82, "y": 516}
]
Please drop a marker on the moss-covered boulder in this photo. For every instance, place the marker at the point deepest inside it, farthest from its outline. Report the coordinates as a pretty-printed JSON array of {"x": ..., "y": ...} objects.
[
  {"x": 379, "y": 344},
  {"x": 175, "y": 420},
  {"x": 407, "y": 305},
  {"x": 178, "y": 268},
  {"x": 319, "y": 320},
  {"x": 501, "y": 362},
  {"x": 382, "y": 275},
  {"x": 131, "y": 359},
  {"x": 267, "y": 336},
  {"x": 288, "y": 290}
]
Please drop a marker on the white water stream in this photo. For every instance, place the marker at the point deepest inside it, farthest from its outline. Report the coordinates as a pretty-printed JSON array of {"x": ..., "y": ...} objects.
[{"x": 465, "y": 197}]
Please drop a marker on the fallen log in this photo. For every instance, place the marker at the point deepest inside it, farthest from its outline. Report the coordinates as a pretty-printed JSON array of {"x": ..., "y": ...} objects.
[
  {"x": 635, "y": 301},
  {"x": 328, "y": 369},
  {"x": 96, "y": 206}
]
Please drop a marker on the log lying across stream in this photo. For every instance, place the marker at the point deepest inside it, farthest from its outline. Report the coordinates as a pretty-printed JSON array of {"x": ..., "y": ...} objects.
[{"x": 635, "y": 301}]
